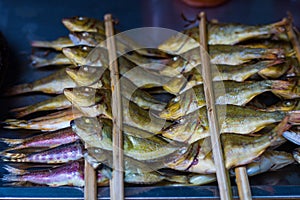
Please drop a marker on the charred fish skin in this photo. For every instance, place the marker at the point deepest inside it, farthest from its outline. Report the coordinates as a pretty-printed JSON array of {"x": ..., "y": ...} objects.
[{"x": 61, "y": 154}]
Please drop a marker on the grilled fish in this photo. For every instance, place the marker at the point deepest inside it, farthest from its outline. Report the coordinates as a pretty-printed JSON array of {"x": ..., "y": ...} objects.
[
  {"x": 226, "y": 92},
  {"x": 218, "y": 33},
  {"x": 57, "y": 44},
  {"x": 234, "y": 119}
]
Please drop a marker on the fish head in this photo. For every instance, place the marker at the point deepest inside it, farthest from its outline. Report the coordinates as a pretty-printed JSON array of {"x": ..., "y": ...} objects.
[
  {"x": 81, "y": 96},
  {"x": 89, "y": 129},
  {"x": 80, "y": 23},
  {"x": 87, "y": 38},
  {"x": 77, "y": 54},
  {"x": 86, "y": 75}
]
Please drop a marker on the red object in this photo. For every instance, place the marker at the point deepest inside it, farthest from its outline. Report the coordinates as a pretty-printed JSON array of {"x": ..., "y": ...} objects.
[{"x": 204, "y": 3}]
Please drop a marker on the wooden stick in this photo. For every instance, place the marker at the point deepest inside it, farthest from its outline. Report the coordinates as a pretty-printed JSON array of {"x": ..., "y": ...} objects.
[
  {"x": 90, "y": 179},
  {"x": 242, "y": 183},
  {"x": 222, "y": 174},
  {"x": 293, "y": 38},
  {"x": 117, "y": 182}
]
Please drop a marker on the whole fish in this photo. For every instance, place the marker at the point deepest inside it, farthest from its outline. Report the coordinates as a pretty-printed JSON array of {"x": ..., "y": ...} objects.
[
  {"x": 69, "y": 174},
  {"x": 268, "y": 161},
  {"x": 296, "y": 155},
  {"x": 233, "y": 119},
  {"x": 219, "y": 33},
  {"x": 226, "y": 92},
  {"x": 52, "y": 84},
  {"x": 53, "y": 58},
  {"x": 219, "y": 55},
  {"x": 60, "y": 154},
  {"x": 57, "y": 44},
  {"x": 238, "y": 150},
  {"x": 51, "y": 122},
  {"x": 239, "y": 73},
  {"x": 98, "y": 134},
  {"x": 46, "y": 140},
  {"x": 55, "y": 103}
]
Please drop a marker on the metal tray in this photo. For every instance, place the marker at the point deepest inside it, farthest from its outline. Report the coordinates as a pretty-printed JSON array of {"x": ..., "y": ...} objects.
[{"x": 23, "y": 21}]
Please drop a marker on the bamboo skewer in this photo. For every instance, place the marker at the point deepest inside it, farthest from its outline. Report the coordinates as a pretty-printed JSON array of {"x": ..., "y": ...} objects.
[
  {"x": 90, "y": 180},
  {"x": 117, "y": 182},
  {"x": 222, "y": 174},
  {"x": 242, "y": 183}
]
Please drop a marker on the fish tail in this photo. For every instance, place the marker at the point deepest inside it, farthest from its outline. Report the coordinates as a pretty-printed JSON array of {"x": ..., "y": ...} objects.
[
  {"x": 20, "y": 112},
  {"x": 12, "y": 142},
  {"x": 15, "y": 124},
  {"x": 11, "y": 178},
  {"x": 41, "y": 44},
  {"x": 285, "y": 89},
  {"x": 13, "y": 157},
  {"x": 294, "y": 117},
  {"x": 177, "y": 179},
  {"x": 19, "y": 89},
  {"x": 39, "y": 62},
  {"x": 13, "y": 170},
  {"x": 280, "y": 27}
]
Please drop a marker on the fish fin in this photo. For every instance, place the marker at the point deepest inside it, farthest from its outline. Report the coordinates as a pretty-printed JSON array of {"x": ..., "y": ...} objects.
[
  {"x": 11, "y": 142},
  {"x": 41, "y": 44},
  {"x": 283, "y": 126},
  {"x": 294, "y": 117},
  {"x": 177, "y": 178},
  {"x": 13, "y": 170},
  {"x": 11, "y": 178},
  {"x": 285, "y": 89},
  {"x": 18, "y": 89},
  {"x": 12, "y": 157},
  {"x": 15, "y": 123},
  {"x": 39, "y": 62},
  {"x": 292, "y": 136}
]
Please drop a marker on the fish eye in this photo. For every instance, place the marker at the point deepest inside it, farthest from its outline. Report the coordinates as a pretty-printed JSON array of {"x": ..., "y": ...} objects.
[
  {"x": 80, "y": 18},
  {"x": 84, "y": 48},
  {"x": 175, "y": 58},
  {"x": 85, "y": 34},
  {"x": 287, "y": 103},
  {"x": 86, "y": 89}
]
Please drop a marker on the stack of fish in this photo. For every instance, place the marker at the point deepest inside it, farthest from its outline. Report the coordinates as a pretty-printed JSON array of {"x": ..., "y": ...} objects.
[{"x": 253, "y": 62}]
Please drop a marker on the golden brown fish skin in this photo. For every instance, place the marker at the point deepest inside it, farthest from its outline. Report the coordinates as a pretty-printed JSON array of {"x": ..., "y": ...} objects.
[
  {"x": 56, "y": 58},
  {"x": 224, "y": 34},
  {"x": 235, "y": 119},
  {"x": 219, "y": 55},
  {"x": 135, "y": 147},
  {"x": 226, "y": 92},
  {"x": 52, "y": 84},
  {"x": 83, "y": 55},
  {"x": 57, "y": 44},
  {"x": 284, "y": 105},
  {"x": 51, "y": 122},
  {"x": 55, "y": 103},
  {"x": 80, "y": 23},
  {"x": 239, "y": 73},
  {"x": 238, "y": 150}
]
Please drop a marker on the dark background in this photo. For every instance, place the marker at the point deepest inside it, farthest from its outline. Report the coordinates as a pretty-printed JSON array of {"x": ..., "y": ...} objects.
[{"x": 22, "y": 21}]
